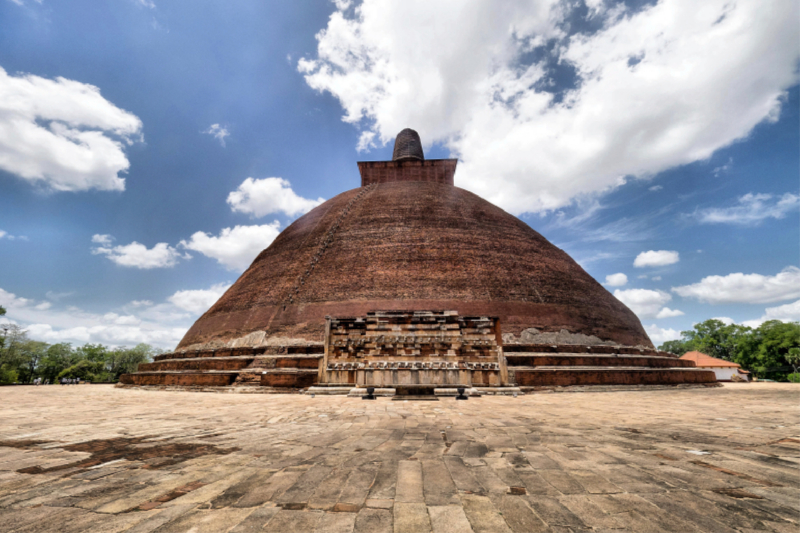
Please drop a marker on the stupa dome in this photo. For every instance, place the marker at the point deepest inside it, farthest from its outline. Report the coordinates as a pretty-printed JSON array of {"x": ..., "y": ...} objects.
[
  {"x": 412, "y": 245},
  {"x": 414, "y": 286}
]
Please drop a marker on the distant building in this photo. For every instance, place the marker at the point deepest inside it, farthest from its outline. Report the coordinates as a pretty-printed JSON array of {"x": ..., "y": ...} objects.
[{"x": 724, "y": 370}]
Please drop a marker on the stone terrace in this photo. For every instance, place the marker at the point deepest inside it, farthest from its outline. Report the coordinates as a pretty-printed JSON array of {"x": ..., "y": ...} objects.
[{"x": 97, "y": 458}]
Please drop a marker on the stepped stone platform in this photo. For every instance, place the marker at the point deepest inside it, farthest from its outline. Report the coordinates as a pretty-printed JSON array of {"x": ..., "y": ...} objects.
[
  {"x": 275, "y": 368},
  {"x": 530, "y": 367}
]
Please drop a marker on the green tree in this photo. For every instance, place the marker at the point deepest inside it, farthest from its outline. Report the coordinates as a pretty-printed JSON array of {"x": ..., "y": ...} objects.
[
  {"x": 678, "y": 347},
  {"x": 793, "y": 358},
  {"x": 30, "y": 355},
  {"x": 57, "y": 358},
  {"x": 12, "y": 340},
  {"x": 772, "y": 354},
  {"x": 717, "y": 339},
  {"x": 126, "y": 360},
  {"x": 84, "y": 369}
]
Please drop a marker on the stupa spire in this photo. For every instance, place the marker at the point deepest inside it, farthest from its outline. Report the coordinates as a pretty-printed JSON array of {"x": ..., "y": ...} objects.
[{"x": 407, "y": 146}]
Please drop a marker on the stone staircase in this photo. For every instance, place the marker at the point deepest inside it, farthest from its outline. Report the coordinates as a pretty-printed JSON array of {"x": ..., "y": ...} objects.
[{"x": 539, "y": 367}]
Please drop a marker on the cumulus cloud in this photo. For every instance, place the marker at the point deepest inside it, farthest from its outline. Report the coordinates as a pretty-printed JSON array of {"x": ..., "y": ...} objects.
[
  {"x": 198, "y": 301},
  {"x": 616, "y": 280},
  {"x": 269, "y": 195},
  {"x": 785, "y": 313},
  {"x": 656, "y": 258},
  {"x": 235, "y": 248},
  {"x": 647, "y": 303},
  {"x": 10, "y": 300},
  {"x": 666, "y": 312},
  {"x": 751, "y": 210},
  {"x": 137, "y": 255},
  {"x": 661, "y": 335},
  {"x": 663, "y": 86},
  {"x": 105, "y": 240},
  {"x": 745, "y": 288},
  {"x": 218, "y": 132},
  {"x": 161, "y": 324},
  {"x": 63, "y": 134}
]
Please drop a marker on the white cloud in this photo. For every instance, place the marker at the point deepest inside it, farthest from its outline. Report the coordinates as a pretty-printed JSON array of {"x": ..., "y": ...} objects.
[
  {"x": 752, "y": 209},
  {"x": 137, "y": 255},
  {"x": 12, "y": 301},
  {"x": 786, "y": 313},
  {"x": 102, "y": 239},
  {"x": 645, "y": 303},
  {"x": 702, "y": 78},
  {"x": 655, "y": 188},
  {"x": 724, "y": 319},
  {"x": 745, "y": 288},
  {"x": 666, "y": 312},
  {"x": 269, "y": 195},
  {"x": 218, "y": 132},
  {"x": 235, "y": 248},
  {"x": 108, "y": 334},
  {"x": 661, "y": 335},
  {"x": 8, "y": 236},
  {"x": 198, "y": 301},
  {"x": 63, "y": 134},
  {"x": 616, "y": 280},
  {"x": 162, "y": 324},
  {"x": 656, "y": 278},
  {"x": 656, "y": 258},
  {"x": 718, "y": 171},
  {"x": 146, "y": 3}
]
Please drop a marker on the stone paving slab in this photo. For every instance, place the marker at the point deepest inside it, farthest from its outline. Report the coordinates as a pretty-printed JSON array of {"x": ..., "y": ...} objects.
[{"x": 98, "y": 458}]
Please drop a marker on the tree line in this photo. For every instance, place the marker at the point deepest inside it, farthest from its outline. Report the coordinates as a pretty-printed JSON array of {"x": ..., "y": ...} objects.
[
  {"x": 22, "y": 360},
  {"x": 770, "y": 351}
]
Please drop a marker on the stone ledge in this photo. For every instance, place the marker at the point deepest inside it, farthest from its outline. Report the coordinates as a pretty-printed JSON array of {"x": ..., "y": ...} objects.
[{"x": 616, "y": 388}]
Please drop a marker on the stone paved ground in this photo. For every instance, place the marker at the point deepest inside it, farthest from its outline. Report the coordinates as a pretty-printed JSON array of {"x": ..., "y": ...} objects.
[{"x": 96, "y": 458}]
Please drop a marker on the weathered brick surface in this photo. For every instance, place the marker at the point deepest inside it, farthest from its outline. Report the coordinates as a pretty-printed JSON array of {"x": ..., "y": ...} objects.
[
  {"x": 572, "y": 377},
  {"x": 295, "y": 379},
  {"x": 431, "y": 170},
  {"x": 588, "y": 360},
  {"x": 183, "y": 380},
  {"x": 411, "y": 246},
  {"x": 201, "y": 364}
]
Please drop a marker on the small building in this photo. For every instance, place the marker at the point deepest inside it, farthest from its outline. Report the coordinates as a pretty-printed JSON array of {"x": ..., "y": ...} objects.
[{"x": 724, "y": 370}]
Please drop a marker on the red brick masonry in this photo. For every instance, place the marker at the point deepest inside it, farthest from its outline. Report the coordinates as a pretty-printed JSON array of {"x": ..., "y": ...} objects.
[
  {"x": 435, "y": 170},
  {"x": 413, "y": 246}
]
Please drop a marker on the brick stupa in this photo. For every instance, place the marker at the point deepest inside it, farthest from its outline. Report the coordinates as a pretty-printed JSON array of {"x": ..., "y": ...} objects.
[{"x": 410, "y": 281}]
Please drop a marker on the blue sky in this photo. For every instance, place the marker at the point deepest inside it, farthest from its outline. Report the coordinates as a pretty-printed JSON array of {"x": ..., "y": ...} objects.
[{"x": 150, "y": 149}]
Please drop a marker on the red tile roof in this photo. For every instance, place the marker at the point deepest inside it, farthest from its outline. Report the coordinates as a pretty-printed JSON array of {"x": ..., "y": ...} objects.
[{"x": 701, "y": 359}]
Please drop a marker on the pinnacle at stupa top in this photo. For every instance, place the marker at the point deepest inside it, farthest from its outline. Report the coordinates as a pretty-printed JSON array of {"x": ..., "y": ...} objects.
[
  {"x": 407, "y": 146},
  {"x": 408, "y": 164}
]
